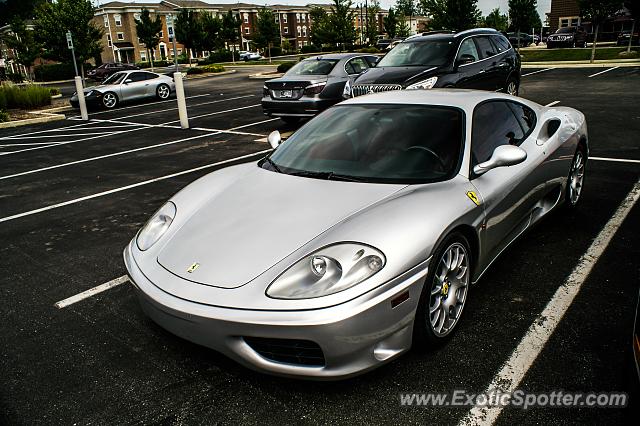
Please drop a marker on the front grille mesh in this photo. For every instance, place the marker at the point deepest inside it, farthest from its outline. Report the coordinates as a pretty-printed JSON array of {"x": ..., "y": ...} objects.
[
  {"x": 364, "y": 89},
  {"x": 289, "y": 351}
]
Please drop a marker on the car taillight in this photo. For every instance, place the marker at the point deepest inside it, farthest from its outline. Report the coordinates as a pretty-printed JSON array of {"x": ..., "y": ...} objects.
[{"x": 314, "y": 89}]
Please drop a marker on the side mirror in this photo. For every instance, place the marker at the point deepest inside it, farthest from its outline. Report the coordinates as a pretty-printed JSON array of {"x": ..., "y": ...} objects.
[
  {"x": 465, "y": 59},
  {"x": 274, "y": 139},
  {"x": 127, "y": 81},
  {"x": 504, "y": 155}
]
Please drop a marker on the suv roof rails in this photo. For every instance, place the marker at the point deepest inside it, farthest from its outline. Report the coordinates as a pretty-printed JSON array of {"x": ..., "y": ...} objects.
[{"x": 477, "y": 29}]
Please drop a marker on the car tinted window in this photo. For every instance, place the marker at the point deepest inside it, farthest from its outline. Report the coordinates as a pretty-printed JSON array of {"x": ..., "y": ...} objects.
[
  {"x": 361, "y": 141},
  {"x": 485, "y": 47},
  {"x": 313, "y": 67},
  {"x": 150, "y": 76},
  {"x": 137, "y": 76},
  {"x": 418, "y": 53},
  {"x": 372, "y": 60},
  {"x": 115, "y": 78},
  {"x": 501, "y": 43},
  {"x": 468, "y": 47},
  {"x": 494, "y": 124},
  {"x": 356, "y": 66},
  {"x": 525, "y": 115}
]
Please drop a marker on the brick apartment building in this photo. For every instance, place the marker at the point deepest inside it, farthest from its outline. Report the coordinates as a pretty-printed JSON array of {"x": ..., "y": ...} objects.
[
  {"x": 121, "y": 43},
  {"x": 566, "y": 13}
]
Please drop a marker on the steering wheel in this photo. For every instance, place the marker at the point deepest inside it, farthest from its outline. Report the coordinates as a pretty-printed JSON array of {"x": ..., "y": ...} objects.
[{"x": 430, "y": 152}]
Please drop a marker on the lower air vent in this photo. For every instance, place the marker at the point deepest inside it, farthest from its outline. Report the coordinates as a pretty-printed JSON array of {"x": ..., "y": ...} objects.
[{"x": 289, "y": 351}]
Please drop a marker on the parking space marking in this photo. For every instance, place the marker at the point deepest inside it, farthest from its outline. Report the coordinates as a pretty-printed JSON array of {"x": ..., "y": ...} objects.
[
  {"x": 536, "y": 72},
  {"x": 602, "y": 72},
  {"x": 138, "y": 106},
  {"x": 127, "y": 187},
  {"x": 54, "y": 136},
  {"x": 618, "y": 160},
  {"x": 91, "y": 292},
  {"x": 513, "y": 371},
  {"x": 552, "y": 103}
]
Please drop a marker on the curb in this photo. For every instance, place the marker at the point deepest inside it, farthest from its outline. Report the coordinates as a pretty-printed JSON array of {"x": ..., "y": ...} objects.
[
  {"x": 48, "y": 118},
  {"x": 210, "y": 74},
  {"x": 583, "y": 64}
]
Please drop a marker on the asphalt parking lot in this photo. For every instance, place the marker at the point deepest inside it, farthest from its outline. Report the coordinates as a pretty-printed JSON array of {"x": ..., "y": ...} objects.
[{"x": 73, "y": 194}]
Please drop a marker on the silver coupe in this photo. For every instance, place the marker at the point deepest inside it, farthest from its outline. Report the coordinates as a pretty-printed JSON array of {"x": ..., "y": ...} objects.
[
  {"x": 127, "y": 86},
  {"x": 360, "y": 235}
]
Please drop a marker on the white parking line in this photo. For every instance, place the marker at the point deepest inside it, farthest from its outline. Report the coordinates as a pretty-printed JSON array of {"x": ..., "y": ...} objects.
[
  {"x": 513, "y": 371},
  {"x": 552, "y": 103},
  {"x": 602, "y": 72},
  {"x": 536, "y": 72},
  {"x": 138, "y": 106},
  {"x": 618, "y": 160},
  {"x": 91, "y": 292},
  {"x": 53, "y": 136},
  {"x": 124, "y": 188}
]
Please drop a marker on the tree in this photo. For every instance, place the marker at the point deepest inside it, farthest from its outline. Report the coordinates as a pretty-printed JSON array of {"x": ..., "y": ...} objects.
[
  {"x": 53, "y": 20},
  {"x": 320, "y": 32},
  {"x": 231, "y": 31},
  {"x": 267, "y": 30},
  {"x": 391, "y": 23},
  {"x": 597, "y": 11},
  {"x": 341, "y": 21},
  {"x": 496, "y": 20},
  {"x": 524, "y": 16},
  {"x": 210, "y": 29},
  {"x": 454, "y": 15},
  {"x": 23, "y": 42},
  {"x": 148, "y": 31},
  {"x": 21, "y": 9},
  {"x": 402, "y": 29},
  {"x": 634, "y": 12},
  {"x": 187, "y": 31},
  {"x": 371, "y": 32}
]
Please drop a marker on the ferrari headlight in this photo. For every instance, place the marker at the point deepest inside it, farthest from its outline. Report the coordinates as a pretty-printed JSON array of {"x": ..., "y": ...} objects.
[
  {"x": 424, "y": 84},
  {"x": 156, "y": 226},
  {"x": 327, "y": 271}
]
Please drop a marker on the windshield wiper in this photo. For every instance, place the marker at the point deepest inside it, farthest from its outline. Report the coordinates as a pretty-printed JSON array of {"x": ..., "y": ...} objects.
[
  {"x": 275, "y": 167},
  {"x": 328, "y": 176}
]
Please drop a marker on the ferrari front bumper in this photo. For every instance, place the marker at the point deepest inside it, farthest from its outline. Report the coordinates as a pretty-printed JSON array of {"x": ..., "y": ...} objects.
[{"x": 353, "y": 337}]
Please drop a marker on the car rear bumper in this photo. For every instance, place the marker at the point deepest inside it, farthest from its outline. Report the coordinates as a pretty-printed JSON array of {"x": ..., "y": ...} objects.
[
  {"x": 350, "y": 338},
  {"x": 303, "y": 107}
]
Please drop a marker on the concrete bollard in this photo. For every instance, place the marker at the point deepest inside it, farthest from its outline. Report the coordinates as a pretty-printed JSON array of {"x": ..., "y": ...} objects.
[
  {"x": 81, "y": 101},
  {"x": 182, "y": 103}
]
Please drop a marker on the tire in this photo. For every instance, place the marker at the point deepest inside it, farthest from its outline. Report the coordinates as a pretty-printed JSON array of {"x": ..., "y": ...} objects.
[
  {"x": 163, "y": 91},
  {"x": 512, "y": 87},
  {"x": 441, "y": 293},
  {"x": 109, "y": 100},
  {"x": 575, "y": 179},
  {"x": 290, "y": 120}
]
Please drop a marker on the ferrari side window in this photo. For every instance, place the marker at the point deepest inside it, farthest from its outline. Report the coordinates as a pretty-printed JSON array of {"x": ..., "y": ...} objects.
[
  {"x": 494, "y": 124},
  {"x": 526, "y": 117}
]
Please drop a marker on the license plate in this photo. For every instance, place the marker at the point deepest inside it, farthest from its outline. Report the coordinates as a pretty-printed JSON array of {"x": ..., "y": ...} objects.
[{"x": 286, "y": 94}]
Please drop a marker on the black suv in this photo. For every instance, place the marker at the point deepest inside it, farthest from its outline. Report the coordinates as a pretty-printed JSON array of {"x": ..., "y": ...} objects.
[{"x": 473, "y": 59}]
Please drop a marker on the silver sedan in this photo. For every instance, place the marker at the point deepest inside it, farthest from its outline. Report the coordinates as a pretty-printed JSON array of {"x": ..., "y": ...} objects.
[
  {"x": 127, "y": 86},
  {"x": 359, "y": 236}
]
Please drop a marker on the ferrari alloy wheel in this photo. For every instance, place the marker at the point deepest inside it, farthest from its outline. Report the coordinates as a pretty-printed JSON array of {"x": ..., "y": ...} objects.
[
  {"x": 512, "y": 88},
  {"x": 445, "y": 291},
  {"x": 109, "y": 100},
  {"x": 163, "y": 91},
  {"x": 575, "y": 181}
]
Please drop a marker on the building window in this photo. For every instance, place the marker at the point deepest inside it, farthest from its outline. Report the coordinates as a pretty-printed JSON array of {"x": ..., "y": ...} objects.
[
  {"x": 179, "y": 50},
  {"x": 286, "y": 30},
  {"x": 143, "y": 56},
  {"x": 284, "y": 18},
  {"x": 120, "y": 36},
  {"x": 118, "y": 20},
  {"x": 106, "y": 20},
  {"x": 246, "y": 18},
  {"x": 161, "y": 34},
  {"x": 304, "y": 31},
  {"x": 303, "y": 17},
  {"x": 569, "y": 21},
  {"x": 246, "y": 30},
  {"x": 170, "y": 31},
  {"x": 136, "y": 16},
  {"x": 297, "y": 17},
  {"x": 277, "y": 17},
  {"x": 299, "y": 32},
  {"x": 109, "y": 40}
]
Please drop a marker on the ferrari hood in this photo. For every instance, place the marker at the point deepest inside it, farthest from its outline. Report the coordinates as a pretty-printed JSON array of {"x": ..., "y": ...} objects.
[{"x": 256, "y": 221}]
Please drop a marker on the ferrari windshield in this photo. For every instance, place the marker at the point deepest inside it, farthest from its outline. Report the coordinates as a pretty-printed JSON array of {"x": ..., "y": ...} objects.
[
  {"x": 316, "y": 66},
  {"x": 115, "y": 78},
  {"x": 433, "y": 53},
  {"x": 375, "y": 143}
]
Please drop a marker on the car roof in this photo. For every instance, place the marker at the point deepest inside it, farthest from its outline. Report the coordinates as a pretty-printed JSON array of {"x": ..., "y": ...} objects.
[
  {"x": 466, "y": 99},
  {"x": 338, "y": 56},
  {"x": 446, "y": 35}
]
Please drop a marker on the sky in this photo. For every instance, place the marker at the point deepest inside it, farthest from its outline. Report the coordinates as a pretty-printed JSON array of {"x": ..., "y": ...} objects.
[{"x": 485, "y": 6}]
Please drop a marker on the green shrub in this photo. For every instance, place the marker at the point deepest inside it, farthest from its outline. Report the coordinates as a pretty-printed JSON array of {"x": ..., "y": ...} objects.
[
  {"x": 285, "y": 66},
  {"x": 219, "y": 56},
  {"x": 15, "y": 77},
  {"x": 275, "y": 51},
  {"x": 310, "y": 49},
  {"x": 4, "y": 116},
  {"x": 54, "y": 72},
  {"x": 54, "y": 91},
  {"x": 194, "y": 70},
  {"x": 213, "y": 68},
  {"x": 369, "y": 50},
  {"x": 25, "y": 97}
]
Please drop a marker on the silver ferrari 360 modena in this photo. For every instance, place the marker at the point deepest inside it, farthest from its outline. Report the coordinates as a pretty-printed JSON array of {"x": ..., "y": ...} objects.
[{"x": 359, "y": 236}]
